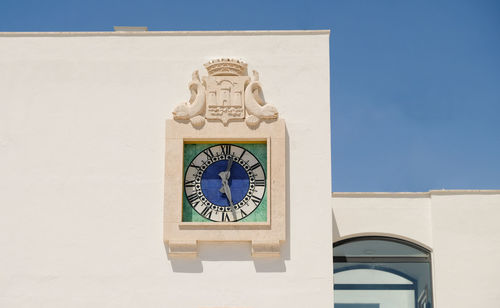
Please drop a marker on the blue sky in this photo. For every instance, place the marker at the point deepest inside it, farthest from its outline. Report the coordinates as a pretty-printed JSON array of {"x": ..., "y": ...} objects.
[{"x": 415, "y": 84}]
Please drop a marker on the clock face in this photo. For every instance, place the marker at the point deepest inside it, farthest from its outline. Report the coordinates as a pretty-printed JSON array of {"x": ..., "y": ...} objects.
[{"x": 225, "y": 182}]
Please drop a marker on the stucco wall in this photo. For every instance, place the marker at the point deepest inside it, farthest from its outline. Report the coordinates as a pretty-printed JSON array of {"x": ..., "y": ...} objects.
[
  {"x": 466, "y": 234},
  {"x": 404, "y": 216},
  {"x": 82, "y": 120}
]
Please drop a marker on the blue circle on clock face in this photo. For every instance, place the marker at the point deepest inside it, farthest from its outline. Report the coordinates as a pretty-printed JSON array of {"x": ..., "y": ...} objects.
[{"x": 211, "y": 183}]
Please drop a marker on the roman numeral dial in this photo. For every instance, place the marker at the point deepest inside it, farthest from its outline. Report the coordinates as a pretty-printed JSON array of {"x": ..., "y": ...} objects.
[{"x": 225, "y": 182}]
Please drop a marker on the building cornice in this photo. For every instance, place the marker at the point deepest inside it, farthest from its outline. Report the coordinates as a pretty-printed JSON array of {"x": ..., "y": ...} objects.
[
  {"x": 380, "y": 194},
  {"x": 166, "y": 33},
  {"x": 414, "y": 194}
]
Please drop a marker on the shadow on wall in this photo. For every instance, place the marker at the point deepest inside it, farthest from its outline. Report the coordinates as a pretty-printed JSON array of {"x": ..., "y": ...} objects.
[
  {"x": 335, "y": 229},
  {"x": 210, "y": 252},
  {"x": 213, "y": 252}
]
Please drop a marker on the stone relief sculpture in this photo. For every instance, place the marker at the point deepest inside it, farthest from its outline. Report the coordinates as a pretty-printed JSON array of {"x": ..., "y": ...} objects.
[
  {"x": 193, "y": 109},
  {"x": 226, "y": 94},
  {"x": 256, "y": 107}
]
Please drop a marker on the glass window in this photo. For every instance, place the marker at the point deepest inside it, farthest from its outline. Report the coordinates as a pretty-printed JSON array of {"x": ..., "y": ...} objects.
[{"x": 381, "y": 272}]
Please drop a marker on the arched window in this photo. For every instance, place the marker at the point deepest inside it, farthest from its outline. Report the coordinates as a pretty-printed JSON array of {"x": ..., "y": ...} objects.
[{"x": 381, "y": 272}]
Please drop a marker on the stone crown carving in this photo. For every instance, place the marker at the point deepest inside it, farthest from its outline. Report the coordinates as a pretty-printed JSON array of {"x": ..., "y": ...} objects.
[
  {"x": 226, "y": 67},
  {"x": 226, "y": 94}
]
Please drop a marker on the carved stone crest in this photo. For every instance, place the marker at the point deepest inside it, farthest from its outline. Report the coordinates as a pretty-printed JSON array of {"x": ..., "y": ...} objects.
[{"x": 226, "y": 94}]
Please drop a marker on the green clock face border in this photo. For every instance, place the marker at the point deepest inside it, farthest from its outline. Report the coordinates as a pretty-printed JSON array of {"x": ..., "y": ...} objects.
[{"x": 194, "y": 151}]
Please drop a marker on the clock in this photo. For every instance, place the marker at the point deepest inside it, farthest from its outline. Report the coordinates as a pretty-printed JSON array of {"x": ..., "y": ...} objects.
[
  {"x": 225, "y": 165},
  {"x": 225, "y": 182}
]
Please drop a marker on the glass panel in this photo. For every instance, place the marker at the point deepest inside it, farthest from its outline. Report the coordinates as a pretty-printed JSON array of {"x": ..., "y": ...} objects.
[
  {"x": 357, "y": 306},
  {"x": 416, "y": 273},
  {"x": 387, "y": 284},
  {"x": 369, "y": 276},
  {"x": 376, "y": 248},
  {"x": 375, "y": 298}
]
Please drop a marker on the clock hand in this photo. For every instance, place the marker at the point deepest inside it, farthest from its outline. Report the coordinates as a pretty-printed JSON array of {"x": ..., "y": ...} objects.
[
  {"x": 227, "y": 191},
  {"x": 225, "y": 179},
  {"x": 228, "y": 169},
  {"x": 224, "y": 176}
]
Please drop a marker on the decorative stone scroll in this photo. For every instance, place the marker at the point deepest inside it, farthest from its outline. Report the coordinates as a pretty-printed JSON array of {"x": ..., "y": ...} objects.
[{"x": 226, "y": 94}]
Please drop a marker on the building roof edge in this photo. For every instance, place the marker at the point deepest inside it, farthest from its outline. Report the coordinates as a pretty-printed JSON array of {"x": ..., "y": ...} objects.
[
  {"x": 380, "y": 194},
  {"x": 415, "y": 194},
  {"x": 167, "y": 33}
]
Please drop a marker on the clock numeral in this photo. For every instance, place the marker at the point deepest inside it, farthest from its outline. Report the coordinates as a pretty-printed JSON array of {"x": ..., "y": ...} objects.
[
  {"x": 260, "y": 182},
  {"x": 209, "y": 153},
  {"x": 207, "y": 212},
  {"x": 192, "y": 198},
  {"x": 243, "y": 214},
  {"x": 189, "y": 183},
  {"x": 242, "y": 153},
  {"x": 256, "y": 200},
  {"x": 226, "y": 149},
  {"x": 225, "y": 216},
  {"x": 194, "y": 166},
  {"x": 255, "y": 166}
]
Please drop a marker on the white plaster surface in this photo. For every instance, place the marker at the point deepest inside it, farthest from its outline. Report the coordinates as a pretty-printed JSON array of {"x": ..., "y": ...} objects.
[
  {"x": 397, "y": 216},
  {"x": 466, "y": 235},
  {"x": 81, "y": 171}
]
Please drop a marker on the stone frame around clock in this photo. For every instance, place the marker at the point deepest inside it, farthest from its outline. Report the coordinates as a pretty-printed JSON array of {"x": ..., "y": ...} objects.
[{"x": 265, "y": 237}]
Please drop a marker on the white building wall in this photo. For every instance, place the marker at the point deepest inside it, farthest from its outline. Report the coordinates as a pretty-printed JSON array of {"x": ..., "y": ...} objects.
[
  {"x": 402, "y": 215},
  {"x": 466, "y": 233},
  {"x": 82, "y": 120}
]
